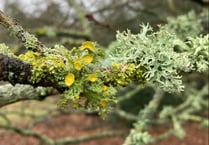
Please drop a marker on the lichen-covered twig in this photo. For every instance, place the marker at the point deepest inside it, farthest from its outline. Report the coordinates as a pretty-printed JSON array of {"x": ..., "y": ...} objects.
[
  {"x": 64, "y": 141},
  {"x": 87, "y": 71},
  {"x": 16, "y": 71},
  {"x": 138, "y": 134},
  {"x": 10, "y": 94},
  {"x": 29, "y": 40},
  {"x": 58, "y": 32}
]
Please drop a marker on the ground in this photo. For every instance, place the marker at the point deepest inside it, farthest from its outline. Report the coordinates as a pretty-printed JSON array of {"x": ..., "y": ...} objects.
[{"x": 76, "y": 125}]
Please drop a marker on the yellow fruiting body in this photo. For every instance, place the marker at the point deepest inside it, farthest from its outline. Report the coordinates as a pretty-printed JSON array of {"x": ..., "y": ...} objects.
[
  {"x": 77, "y": 71},
  {"x": 77, "y": 65},
  {"x": 103, "y": 102},
  {"x": 87, "y": 59},
  {"x": 87, "y": 45},
  {"x": 92, "y": 77},
  {"x": 75, "y": 104},
  {"x": 104, "y": 88},
  {"x": 69, "y": 79}
]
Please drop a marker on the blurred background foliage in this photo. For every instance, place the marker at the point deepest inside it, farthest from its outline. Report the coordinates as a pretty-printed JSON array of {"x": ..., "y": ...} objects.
[{"x": 70, "y": 22}]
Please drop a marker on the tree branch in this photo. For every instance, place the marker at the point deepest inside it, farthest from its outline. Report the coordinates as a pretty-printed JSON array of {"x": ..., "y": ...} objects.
[
  {"x": 10, "y": 94},
  {"x": 145, "y": 117},
  {"x": 14, "y": 70},
  {"x": 64, "y": 141},
  {"x": 57, "y": 32},
  {"x": 21, "y": 34}
]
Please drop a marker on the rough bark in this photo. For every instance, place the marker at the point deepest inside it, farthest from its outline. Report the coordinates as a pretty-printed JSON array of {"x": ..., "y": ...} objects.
[{"x": 14, "y": 70}]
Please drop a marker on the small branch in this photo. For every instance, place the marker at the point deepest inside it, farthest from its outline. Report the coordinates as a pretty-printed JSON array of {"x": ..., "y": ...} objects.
[
  {"x": 10, "y": 94},
  {"x": 80, "y": 14},
  {"x": 5, "y": 118},
  {"x": 145, "y": 117},
  {"x": 42, "y": 138},
  {"x": 191, "y": 98},
  {"x": 21, "y": 34},
  {"x": 163, "y": 136},
  {"x": 68, "y": 141},
  {"x": 57, "y": 32},
  {"x": 16, "y": 71},
  {"x": 129, "y": 93},
  {"x": 6, "y": 21},
  {"x": 127, "y": 116},
  {"x": 155, "y": 102},
  {"x": 64, "y": 141}
]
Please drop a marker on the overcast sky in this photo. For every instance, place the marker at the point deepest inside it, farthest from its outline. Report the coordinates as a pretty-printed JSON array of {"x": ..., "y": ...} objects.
[
  {"x": 30, "y": 6},
  {"x": 1, "y": 5}
]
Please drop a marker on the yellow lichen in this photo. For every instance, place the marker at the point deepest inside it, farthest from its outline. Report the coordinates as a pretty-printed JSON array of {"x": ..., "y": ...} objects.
[
  {"x": 30, "y": 56},
  {"x": 92, "y": 77},
  {"x": 69, "y": 79},
  {"x": 87, "y": 59},
  {"x": 87, "y": 45},
  {"x": 77, "y": 65},
  {"x": 103, "y": 102},
  {"x": 77, "y": 97},
  {"x": 104, "y": 88},
  {"x": 75, "y": 104},
  {"x": 64, "y": 104}
]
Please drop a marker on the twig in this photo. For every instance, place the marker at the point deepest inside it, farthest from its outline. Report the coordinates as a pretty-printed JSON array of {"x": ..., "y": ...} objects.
[
  {"x": 129, "y": 94},
  {"x": 125, "y": 115},
  {"x": 64, "y": 141},
  {"x": 21, "y": 34},
  {"x": 145, "y": 116},
  {"x": 10, "y": 94},
  {"x": 162, "y": 136}
]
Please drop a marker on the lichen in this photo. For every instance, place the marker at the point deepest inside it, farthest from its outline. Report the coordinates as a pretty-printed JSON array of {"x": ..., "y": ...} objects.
[
  {"x": 185, "y": 26},
  {"x": 44, "y": 67},
  {"x": 74, "y": 70},
  {"x": 4, "y": 49},
  {"x": 153, "y": 54}
]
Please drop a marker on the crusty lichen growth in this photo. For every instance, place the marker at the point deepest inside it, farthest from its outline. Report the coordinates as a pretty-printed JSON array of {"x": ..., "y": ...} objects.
[
  {"x": 29, "y": 40},
  {"x": 89, "y": 77},
  {"x": 87, "y": 84},
  {"x": 44, "y": 67}
]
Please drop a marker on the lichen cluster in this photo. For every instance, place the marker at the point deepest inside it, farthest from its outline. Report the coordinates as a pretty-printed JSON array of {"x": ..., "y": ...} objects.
[
  {"x": 86, "y": 83},
  {"x": 91, "y": 85},
  {"x": 88, "y": 76},
  {"x": 80, "y": 76},
  {"x": 154, "y": 52},
  {"x": 84, "y": 80},
  {"x": 198, "y": 49},
  {"x": 30, "y": 41},
  {"x": 185, "y": 26},
  {"x": 44, "y": 67}
]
